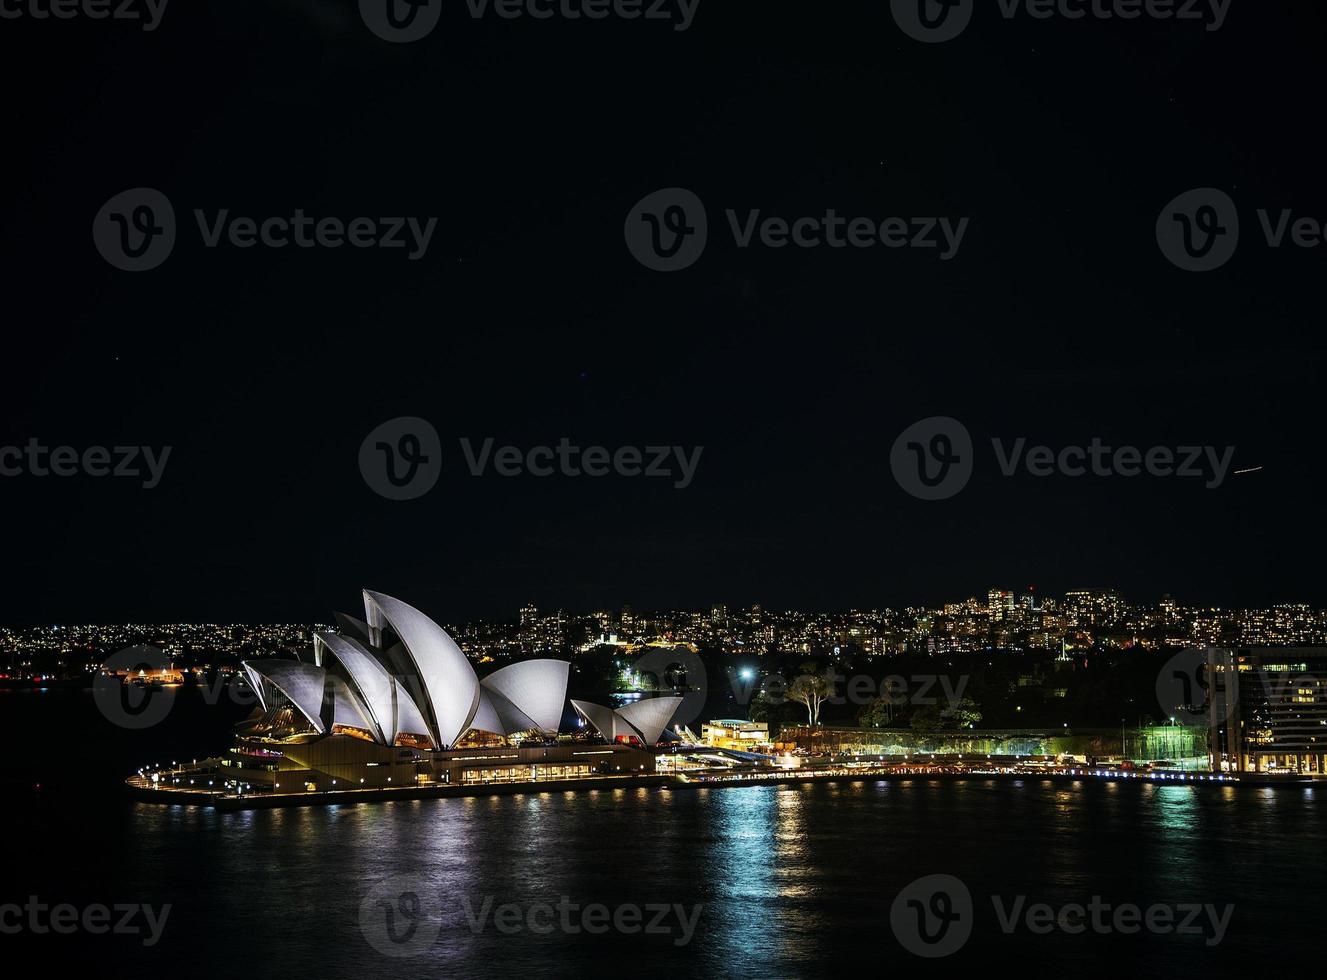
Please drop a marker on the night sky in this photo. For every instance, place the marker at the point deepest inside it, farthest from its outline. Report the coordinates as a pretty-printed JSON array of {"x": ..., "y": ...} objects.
[{"x": 528, "y": 320}]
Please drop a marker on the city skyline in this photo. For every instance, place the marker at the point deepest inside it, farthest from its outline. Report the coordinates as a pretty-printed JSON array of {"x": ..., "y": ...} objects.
[{"x": 1001, "y": 619}]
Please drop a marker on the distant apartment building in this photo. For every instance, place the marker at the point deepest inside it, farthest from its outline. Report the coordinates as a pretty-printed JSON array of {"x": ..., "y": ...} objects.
[
  {"x": 1000, "y": 605},
  {"x": 1093, "y": 607}
]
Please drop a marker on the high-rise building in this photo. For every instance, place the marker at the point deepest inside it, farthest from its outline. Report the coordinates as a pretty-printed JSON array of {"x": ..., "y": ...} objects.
[
  {"x": 1000, "y": 604},
  {"x": 1267, "y": 710},
  {"x": 529, "y": 614}
]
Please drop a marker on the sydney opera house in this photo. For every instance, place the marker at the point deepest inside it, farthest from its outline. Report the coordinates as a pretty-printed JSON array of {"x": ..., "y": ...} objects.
[{"x": 391, "y": 701}]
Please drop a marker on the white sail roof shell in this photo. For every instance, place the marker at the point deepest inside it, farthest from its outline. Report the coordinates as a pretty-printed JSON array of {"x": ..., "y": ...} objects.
[
  {"x": 644, "y": 719},
  {"x": 650, "y": 716},
  {"x": 347, "y": 707},
  {"x": 367, "y": 676},
  {"x": 259, "y": 684},
  {"x": 301, "y": 683},
  {"x": 604, "y": 720},
  {"x": 536, "y": 689},
  {"x": 486, "y": 717},
  {"x": 446, "y": 679}
]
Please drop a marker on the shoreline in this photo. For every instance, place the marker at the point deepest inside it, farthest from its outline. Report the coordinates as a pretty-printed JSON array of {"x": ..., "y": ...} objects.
[{"x": 222, "y": 801}]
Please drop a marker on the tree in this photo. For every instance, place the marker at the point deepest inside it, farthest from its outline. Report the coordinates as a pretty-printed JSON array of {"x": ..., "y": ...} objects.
[
  {"x": 811, "y": 689},
  {"x": 877, "y": 714},
  {"x": 926, "y": 720},
  {"x": 759, "y": 709},
  {"x": 965, "y": 714}
]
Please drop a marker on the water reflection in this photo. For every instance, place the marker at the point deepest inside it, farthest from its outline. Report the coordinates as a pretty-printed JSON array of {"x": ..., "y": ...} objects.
[{"x": 792, "y": 878}]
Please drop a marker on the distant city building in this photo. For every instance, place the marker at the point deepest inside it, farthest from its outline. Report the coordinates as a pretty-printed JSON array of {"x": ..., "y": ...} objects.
[
  {"x": 737, "y": 734},
  {"x": 1267, "y": 710},
  {"x": 1000, "y": 604},
  {"x": 1093, "y": 607}
]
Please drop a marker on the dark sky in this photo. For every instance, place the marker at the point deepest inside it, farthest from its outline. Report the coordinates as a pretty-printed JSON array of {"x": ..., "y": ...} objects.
[{"x": 528, "y": 320}]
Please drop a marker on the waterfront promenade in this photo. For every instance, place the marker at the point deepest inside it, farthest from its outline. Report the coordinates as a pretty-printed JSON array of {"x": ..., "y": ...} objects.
[{"x": 146, "y": 790}]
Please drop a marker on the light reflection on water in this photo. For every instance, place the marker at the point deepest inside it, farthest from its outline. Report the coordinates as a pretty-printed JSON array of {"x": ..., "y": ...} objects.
[{"x": 792, "y": 877}]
